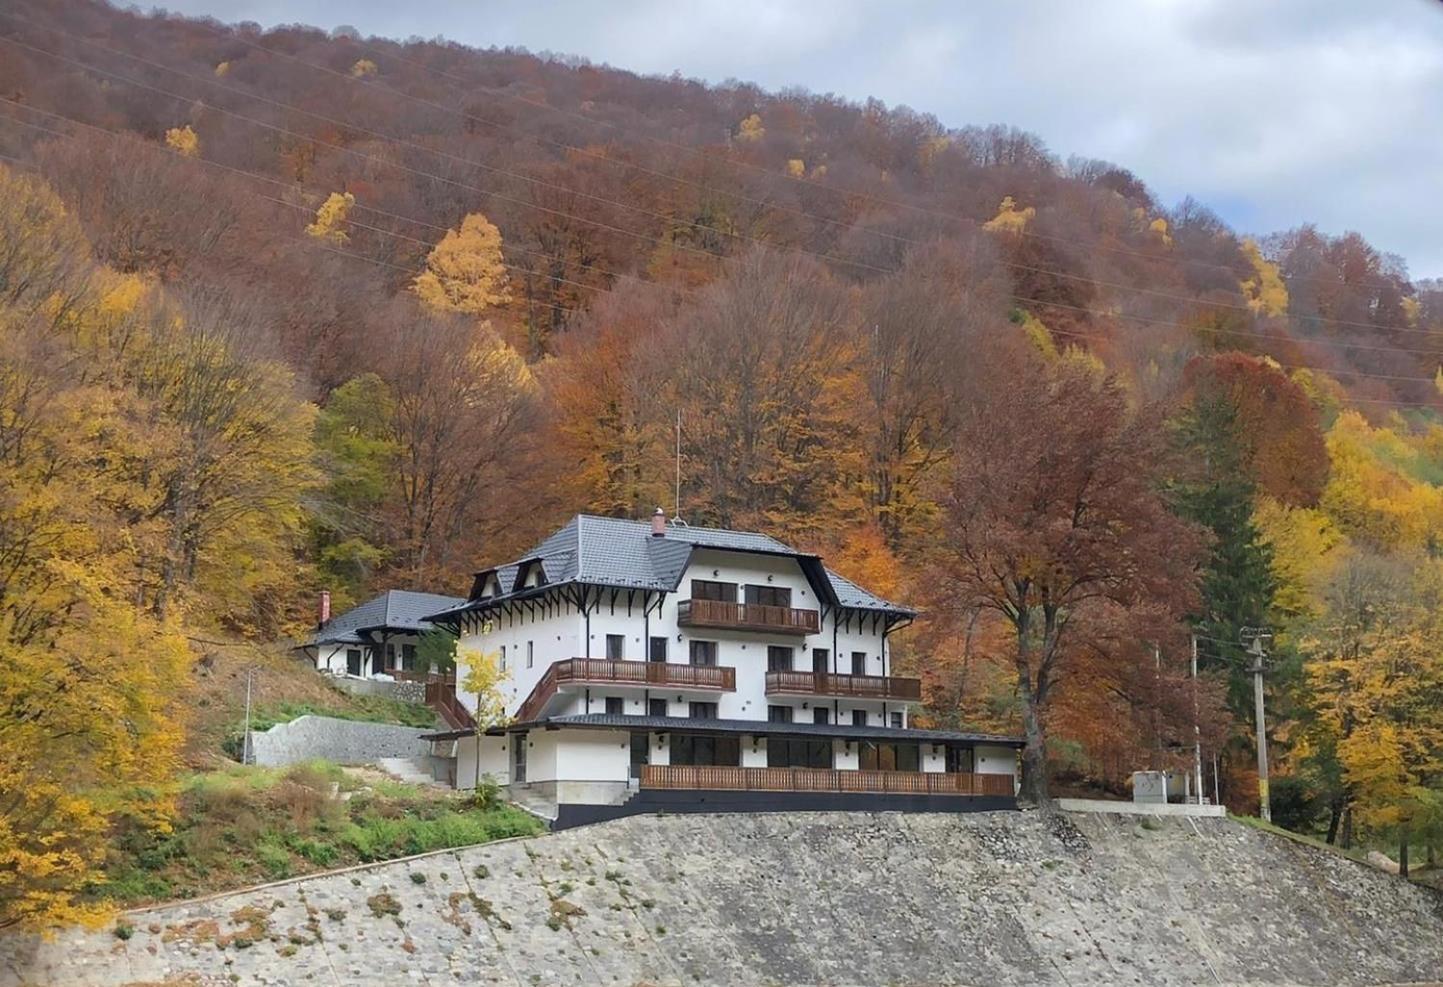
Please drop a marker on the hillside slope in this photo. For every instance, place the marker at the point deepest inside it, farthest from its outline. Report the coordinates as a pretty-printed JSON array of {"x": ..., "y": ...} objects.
[{"x": 814, "y": 899}]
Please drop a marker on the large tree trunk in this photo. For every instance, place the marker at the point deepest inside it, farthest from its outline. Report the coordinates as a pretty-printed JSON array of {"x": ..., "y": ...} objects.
[
  {"x": 1034, "y": 759},
  {"x": 1403, "y": 838},
  {"x": 1348, "y": 828}
]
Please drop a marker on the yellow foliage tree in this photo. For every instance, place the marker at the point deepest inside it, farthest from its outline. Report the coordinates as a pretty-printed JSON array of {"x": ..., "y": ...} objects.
[
  {"x": 796, "y": 167},
  {"x": 751, "y": 129},
  {"x": 331, "y": 217},
  {"x": 1265, "y": 292},
  {"x": 1306, "y": 548},
  {"x": 222, "y": 70},
  {"x": 142, "y": 456},
  {"x": 363, "y": 69},
  {"x": 481, "y": 675},
  {"x": 183, "y": 141},
  {"x": 1159, "y": 226},
  {"x": 465, "y": 272},
  {"x": 1009, "y": 218}
]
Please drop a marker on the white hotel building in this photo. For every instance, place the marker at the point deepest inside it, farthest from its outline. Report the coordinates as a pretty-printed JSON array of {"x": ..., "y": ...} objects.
[{"x": 664, "y": 667}]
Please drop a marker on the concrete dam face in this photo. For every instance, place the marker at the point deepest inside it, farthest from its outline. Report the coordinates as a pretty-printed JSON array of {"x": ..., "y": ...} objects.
[{"x": 822, "y": 898}]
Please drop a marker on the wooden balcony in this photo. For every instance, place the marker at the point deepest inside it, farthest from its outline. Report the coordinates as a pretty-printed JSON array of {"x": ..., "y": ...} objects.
[
  {"x": 747, "y": 617},
  {"x": 607, "y": 671},
  {"x": 850, "y": 686},
  {"x": 700, "y": 778}
]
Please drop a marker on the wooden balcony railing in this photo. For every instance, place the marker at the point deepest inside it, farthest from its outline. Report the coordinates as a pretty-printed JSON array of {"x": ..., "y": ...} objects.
[
  {"x": 608, "y": 671},
  {"x": 747, "y": 616},
  {"x": 853, "y": 686},
  {"x": 697, "y": 777}
]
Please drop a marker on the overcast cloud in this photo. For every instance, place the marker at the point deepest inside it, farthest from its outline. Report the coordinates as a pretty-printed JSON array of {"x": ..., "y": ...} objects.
[{"x": 1274, "y": 113}]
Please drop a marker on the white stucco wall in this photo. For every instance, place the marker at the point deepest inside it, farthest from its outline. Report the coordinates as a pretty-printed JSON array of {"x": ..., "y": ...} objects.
[
  {"x": 995, "y": 760},
  {"x": 495, "y": 760}
]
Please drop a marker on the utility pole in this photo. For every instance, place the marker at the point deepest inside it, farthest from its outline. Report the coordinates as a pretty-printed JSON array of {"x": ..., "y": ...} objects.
[
  {"x": 1196, "y": 728},
  {"x": 246, "y": 736},
  {"x": 1258, "y": 652}
]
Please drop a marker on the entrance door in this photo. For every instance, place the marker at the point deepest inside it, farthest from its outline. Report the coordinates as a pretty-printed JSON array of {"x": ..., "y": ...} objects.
[
  {"x": 518, "y": 758},
  {"x": 353, "y": 662},
  {"x": 640, "y": 752}
]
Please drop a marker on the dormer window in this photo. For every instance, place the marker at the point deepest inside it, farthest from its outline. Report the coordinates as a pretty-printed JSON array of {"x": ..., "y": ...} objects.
[{"x": 530, "y": 575}]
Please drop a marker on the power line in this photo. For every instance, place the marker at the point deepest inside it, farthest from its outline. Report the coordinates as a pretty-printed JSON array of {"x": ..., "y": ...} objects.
[
  {"x": 560, "y": 187},
  {"x": 530, "y": 272}
]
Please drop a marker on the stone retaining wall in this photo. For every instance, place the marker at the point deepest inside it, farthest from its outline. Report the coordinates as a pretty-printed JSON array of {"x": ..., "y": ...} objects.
[
  {"x": 343, "y": 741},
  {"x": 809, "y": 898}
]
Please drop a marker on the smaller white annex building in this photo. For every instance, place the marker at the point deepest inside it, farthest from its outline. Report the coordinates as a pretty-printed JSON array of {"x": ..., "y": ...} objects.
[
  {"x": 659, "y": 666},
  {"x": 375, "y": 638}
]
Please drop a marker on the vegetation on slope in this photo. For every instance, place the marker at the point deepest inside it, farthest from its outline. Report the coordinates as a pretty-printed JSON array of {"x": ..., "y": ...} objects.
[{"x": 244, "y": 825}]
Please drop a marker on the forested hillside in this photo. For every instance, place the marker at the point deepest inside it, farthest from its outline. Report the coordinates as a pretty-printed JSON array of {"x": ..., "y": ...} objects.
[{"x": 289, "y": 310}]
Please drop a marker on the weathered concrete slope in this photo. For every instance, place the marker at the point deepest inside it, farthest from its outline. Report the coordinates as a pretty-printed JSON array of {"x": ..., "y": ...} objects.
[{"x": 1000, "y": 898}]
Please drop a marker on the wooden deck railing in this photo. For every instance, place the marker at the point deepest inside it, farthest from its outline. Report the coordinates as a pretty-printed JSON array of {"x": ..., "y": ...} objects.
[
  {"x": 440, "y": 695},
  {"x": 856, "y": 686},
  {"x": 608, "y": 671},
  {"x": 698, "y": 777},
  {"x": 747, "y": 616}
]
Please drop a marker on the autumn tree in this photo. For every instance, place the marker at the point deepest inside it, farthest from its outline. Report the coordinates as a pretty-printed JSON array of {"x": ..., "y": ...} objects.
[
  {"x": 465, "y": 271},
  {"x": 1054, "y": 520}
]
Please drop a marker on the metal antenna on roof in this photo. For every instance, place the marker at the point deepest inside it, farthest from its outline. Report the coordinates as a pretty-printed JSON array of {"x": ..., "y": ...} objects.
[{"x": 677, "y": 502}]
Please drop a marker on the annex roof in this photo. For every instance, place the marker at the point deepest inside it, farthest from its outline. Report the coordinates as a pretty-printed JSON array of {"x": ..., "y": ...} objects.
[
  {"x": 625, "y": 554},
  {"x": 393, "y": 610}
]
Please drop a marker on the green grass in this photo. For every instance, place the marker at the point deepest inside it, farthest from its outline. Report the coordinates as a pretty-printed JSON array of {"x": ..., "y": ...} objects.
[{"x": 245, "y": 825}]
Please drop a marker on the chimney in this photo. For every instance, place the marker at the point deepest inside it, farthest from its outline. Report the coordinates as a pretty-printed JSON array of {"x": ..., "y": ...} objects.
[
  {"x": 658, "y": 523},
  {"x": 323, "y": 613}
]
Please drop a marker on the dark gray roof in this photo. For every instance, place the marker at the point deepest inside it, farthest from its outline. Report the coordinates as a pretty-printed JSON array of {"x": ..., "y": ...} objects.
[
  {"x": 617, "y": 552},
  {"x": 393, "y": 610},
  {"x": 754, "y": 727}
]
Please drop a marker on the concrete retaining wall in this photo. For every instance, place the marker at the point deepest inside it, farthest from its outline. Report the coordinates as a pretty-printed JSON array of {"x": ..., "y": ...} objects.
[
  {"x": 1142, "y": 808},
  {"x": 1006, "y": 898},
  {"x": 343, "y": 741},
  {"x": 406, "y": 692}
]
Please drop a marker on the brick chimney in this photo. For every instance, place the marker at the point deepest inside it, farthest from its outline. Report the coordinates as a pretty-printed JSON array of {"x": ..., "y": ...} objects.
[
  {"x": 658, "y": 523},
  {"x": 323, "y": 612}
]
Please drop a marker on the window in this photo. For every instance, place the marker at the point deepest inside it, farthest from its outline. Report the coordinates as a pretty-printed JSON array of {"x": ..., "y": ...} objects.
[
  {"x": 640, "y": 752},
  {"x": 408, "y": 656},
  {"x": 897, "y": 720},
  {"x": 779, "y": 714},
  {"x": 779, "y": 658},
  {"x": 656, "y": 649},
  {"x": 702, "y": 711},
  {"x": 656, "y": 707},
  {"x": 821, "y": 715},
  {"x": 859, "y": 663},
  {"x": 615, "y": 706},
  {"x": 708, "y": 751},
  {"x": 530, "y": 654},
  {"x": 859, "y": 717},
  {"x": 769, "y": 596},
  {"x": 615, "y": 645},
  {"x": 888, "y": 757},
  {"x": 821, "y": 661},
  {"x": 703, "y": 652},
  {"x": 706, "y": 589},
  {"x": 796, "y": 752},
  {"x": 503, "y": 657}
]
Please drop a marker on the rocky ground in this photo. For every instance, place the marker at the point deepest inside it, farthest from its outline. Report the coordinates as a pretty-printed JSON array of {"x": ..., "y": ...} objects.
[{"x": 992, "y": 898}]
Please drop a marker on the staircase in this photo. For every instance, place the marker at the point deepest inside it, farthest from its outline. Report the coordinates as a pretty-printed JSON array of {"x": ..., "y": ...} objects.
[{"x": 411, "y": 770}]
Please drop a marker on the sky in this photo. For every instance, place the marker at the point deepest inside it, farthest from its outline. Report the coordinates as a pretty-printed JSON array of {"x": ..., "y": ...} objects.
[{"x": 1274, "y": 113}]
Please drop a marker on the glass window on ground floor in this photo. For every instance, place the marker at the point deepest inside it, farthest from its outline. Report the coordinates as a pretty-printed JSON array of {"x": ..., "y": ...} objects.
[
  {"x": 799, "y": 752},
  {"x": 706, "y": 751},
  {"x": 888, "y": 757},
  {"x": 959, "y": 760}
]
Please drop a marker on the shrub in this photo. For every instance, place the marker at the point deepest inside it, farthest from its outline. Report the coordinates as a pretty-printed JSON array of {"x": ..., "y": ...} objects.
[{"x": 274, "y": 858}]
